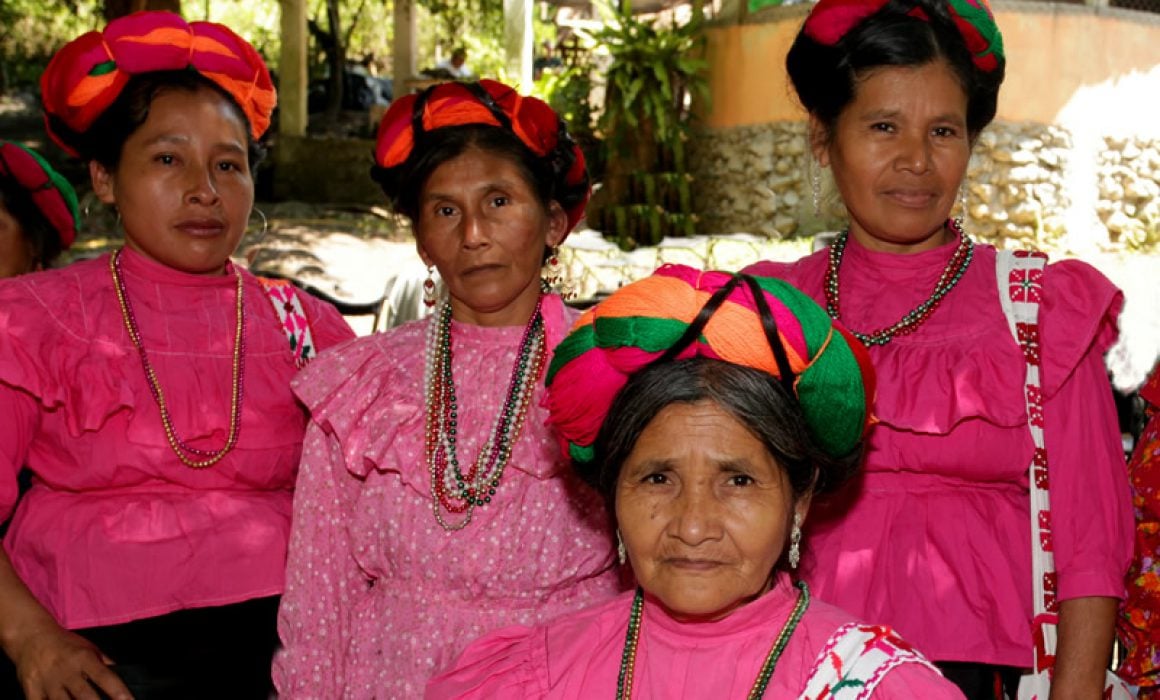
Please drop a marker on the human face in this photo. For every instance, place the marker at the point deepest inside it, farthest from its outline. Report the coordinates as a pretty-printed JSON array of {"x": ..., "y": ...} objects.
[
  {"x": 898, "y": 153},
  {"x": 183, "y": 187},
  {"x": 482, "y": 226},
  {"x": 15, "y": 252},
  {"x": 704, "y": 511}
]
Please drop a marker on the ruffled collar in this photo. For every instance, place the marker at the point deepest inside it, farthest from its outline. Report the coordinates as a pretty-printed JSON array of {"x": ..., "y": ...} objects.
[
  {"x": 909, "y": 263},
  {"x": 555, "y": 327},
  {"x": 765, "y": 616},
  {"x": 137, "y": 265}
]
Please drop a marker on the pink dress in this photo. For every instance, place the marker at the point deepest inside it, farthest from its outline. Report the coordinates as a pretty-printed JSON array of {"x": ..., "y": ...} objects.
[
  {"x": 378, "y": 595},
  {"x": 934, "y": 539},
  {"x": 578, "y": 656},
  {"x": 115, "y": 528}
]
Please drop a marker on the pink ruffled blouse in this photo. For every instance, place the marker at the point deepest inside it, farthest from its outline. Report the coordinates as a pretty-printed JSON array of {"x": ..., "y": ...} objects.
[
  {"x": 578, "y": 656},
  {"x": 115, "y": 528},
  {"x": 378, "y": 595},
  {"x": 934, "y": 538}
]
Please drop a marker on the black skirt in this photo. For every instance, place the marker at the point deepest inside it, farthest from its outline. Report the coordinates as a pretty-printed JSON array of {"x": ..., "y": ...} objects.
[{"x": 219, "y": 652}]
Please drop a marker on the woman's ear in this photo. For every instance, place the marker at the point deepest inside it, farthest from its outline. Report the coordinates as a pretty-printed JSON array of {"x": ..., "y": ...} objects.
[
  {"x": 102, "y": 182},
  {"x": 557, "y": 224},
  {"x": 819, "y": 141}
]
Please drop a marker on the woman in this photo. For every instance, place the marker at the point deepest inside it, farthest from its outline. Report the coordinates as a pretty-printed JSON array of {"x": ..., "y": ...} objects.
[
  {"x": 433, "y": 505},
  {"x": 707, "y": 409},
  {"x": 38, "y": 211},
  {"x": 934, "y": 539},
  {"x": 1137, "y": 623},
  {"x": 148, "y": 390}
]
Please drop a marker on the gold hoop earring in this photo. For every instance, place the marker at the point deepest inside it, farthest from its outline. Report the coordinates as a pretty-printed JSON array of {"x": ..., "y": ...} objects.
[
  {"x": 795, "y": 541},
  {"x": 265, "y": 225}
]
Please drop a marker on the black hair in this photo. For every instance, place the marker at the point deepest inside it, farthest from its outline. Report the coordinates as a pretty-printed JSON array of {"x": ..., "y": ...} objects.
[
  {"x": 826, "y": 77},
  {"x": 40, "y": 235},
  {"x": 758, "y": 400},
  {"x": 105, "y": 139},
  {"x": 403, "y": 184}
]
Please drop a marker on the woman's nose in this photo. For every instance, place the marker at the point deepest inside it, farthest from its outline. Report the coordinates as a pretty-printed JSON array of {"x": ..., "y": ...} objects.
[
  {"x": 914, "y": 154},
  {"x": 474, "y": 231},
  {"x": 697, "y": 517},
  {"x": 201, "y": 188}
]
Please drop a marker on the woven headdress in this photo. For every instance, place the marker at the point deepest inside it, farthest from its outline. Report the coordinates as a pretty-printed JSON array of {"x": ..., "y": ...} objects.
[
  {"x": 757, "y": 322},
  {"x": 86, "y": 76},
  {"x": 49, "y": 191},
  {"x": 830, "y": 20},
  {"x": 490, "y": 103}
]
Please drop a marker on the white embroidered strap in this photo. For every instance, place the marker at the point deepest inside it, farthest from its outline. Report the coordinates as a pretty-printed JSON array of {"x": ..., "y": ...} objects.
[
  {"x": 854, "y": 661},
  {"x": 1020, "y": 279},
  {"x": 295, "y": 323}
]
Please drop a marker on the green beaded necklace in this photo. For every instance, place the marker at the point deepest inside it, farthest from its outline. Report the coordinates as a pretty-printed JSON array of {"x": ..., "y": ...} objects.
[
  {"x": 632, "y": 640},
  {"x": 951, "y": 274}
]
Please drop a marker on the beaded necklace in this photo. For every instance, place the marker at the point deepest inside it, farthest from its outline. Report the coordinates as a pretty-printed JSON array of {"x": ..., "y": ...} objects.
[
  {"x": 452, "y": 489},
  {"x": 632, "y": 640},
  {"x": 909, "y": 323},
  {"x": 187, "y": 454}
]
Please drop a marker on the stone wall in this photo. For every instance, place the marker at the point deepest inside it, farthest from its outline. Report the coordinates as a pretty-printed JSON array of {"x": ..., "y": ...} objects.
[{"x": 1027, "y": 184}]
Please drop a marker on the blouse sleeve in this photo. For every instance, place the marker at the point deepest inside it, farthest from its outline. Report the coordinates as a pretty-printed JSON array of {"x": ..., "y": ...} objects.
[
  {"x": 501, "y": 665},
  {"x": 1092, "y": 524},
  {"x": 20, "y": 416},
  {"x": 322, "y": 577},
  {"x": 909, "y": 681},
  {"x": 327, "y": 325}
]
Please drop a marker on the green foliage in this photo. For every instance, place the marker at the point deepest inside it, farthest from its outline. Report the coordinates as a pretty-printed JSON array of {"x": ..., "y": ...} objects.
[
  {"x": 656, "y": 75},
  {"x": 33, "y": 30}
]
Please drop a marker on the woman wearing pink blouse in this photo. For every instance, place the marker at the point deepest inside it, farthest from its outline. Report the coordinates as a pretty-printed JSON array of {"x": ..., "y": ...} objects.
[{"x": 935, "y": 538}]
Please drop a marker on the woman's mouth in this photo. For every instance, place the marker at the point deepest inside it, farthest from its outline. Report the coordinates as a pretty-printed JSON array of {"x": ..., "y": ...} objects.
[{"x": 202, "y": 227}]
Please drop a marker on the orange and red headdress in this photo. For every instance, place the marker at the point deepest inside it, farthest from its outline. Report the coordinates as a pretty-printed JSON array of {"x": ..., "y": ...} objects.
[
  {"x": 490, "y": 103},
  {"x": 88, "y": 74}
]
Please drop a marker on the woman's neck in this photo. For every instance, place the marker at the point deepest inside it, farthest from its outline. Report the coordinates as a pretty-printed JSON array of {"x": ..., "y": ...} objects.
[{"x": 940, "y": 236}]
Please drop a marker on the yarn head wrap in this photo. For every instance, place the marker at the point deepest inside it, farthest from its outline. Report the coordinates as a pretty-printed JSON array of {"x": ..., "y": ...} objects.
[
  {"x": 49, "y": 191},
  {"x": 758, "y": 322},
  {"x": 87, "y": 75},
  {"x": 487, "y": 102},
  {"x": 830, "y": 20}
]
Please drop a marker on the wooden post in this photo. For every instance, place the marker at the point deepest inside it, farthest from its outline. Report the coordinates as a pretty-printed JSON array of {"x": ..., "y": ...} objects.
[
  {"x": 292, "y": 83},
  {"x": 519, "y": 40},
  {"x": 403, "y": 47}
]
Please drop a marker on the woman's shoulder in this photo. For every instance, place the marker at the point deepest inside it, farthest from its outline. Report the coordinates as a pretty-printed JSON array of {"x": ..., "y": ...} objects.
[
  {"x": 526, "y": 662},
  {"x": 380, "y": 358}
]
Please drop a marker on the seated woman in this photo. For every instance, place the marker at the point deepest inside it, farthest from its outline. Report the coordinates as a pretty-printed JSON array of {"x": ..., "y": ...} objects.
[
  {"x": 708, "y": 409},
  {"x": 38, "y": 211},
  {"x": 433, "y": 503},
  {"x": 148, "y": 390}
]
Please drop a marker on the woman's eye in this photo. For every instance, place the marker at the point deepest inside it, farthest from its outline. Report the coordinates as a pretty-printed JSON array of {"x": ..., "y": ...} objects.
[
  {"x": 945, "y": 131},
  {"x": 882, "y": 126},
  {"x": 165, "y": 159},
  {"x": 500, "y": 201},
  {"x": 655, "y": 479},
  {"x": 741, "y": 480},
  {"x": 228, "y": 165},
  {"x": 445, "y": 211}
]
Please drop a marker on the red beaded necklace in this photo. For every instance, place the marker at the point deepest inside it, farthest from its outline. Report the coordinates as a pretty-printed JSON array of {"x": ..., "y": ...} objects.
[
  {"x": 187, "y": 454},
  {"x": 452, "y": 489}
]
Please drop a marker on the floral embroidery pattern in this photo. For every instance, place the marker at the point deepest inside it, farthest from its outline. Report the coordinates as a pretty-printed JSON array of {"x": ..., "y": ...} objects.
[{"x": 854, "y": 661}]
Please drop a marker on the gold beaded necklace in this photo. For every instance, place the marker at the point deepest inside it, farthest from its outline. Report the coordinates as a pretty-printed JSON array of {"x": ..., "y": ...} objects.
[{"x": 189, "y": 456}]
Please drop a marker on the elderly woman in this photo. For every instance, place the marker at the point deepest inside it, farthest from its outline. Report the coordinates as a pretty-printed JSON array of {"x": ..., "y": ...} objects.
[
  {"x": 38, "y": 211},
  {"x": 148, "y": 390},
  {"x": 708, "y": 409},
  {"x": 433, "y": 504},
  {"x": 934, "y": 540}
]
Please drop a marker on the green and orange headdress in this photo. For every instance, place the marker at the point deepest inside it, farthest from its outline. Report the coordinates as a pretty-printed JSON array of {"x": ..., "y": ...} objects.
[
  {"x": 53, "y": 196},
  {"x": 680, "y": 313},
  {"x": 86, "y": 76}
]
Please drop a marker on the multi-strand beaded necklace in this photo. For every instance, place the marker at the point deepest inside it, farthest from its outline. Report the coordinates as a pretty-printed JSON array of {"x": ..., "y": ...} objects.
[
  {"x": 632, "y": 641},
  {"x": 452, "y": 489},
  {"x": 951, "y": 274},
  {"x": 191, "y": 457}
]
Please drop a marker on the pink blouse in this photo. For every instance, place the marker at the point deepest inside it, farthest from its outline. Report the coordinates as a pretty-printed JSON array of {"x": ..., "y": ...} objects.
[
  {"x": 934, "y": 538},
  {"x": 115, "y": 528},
  {"x": 378, "y": 595},
  {"x": 578, "y": 656}
]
